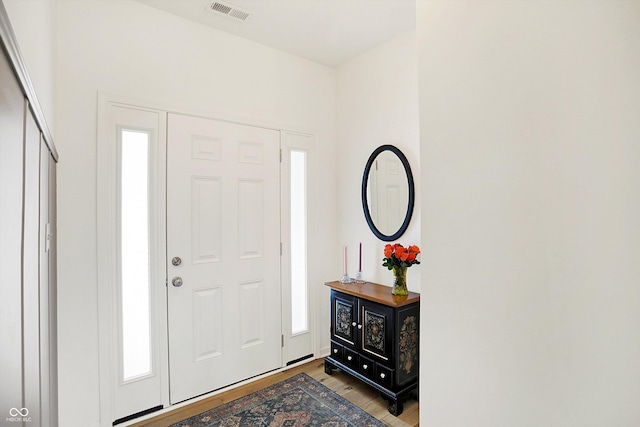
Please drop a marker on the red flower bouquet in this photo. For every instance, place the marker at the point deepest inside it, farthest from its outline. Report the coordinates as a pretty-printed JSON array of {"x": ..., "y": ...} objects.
[{"x": 398, "y": 258}]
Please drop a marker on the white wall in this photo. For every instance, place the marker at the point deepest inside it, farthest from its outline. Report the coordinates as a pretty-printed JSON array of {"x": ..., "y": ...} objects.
[
  {"x": 34, "y": 23},
  {"x": 530, "y": 130},
  {"x": 377, "y": 103},
  {"x": 130, "y": 49}
]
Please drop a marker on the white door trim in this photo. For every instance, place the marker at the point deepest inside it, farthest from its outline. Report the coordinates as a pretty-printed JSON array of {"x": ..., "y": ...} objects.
[
  {"x": 108, "y": 323},
  {"x": 302, "y": 344},
  {"x": 215, "y": 115},
  {"x": 106, "y": 258}
]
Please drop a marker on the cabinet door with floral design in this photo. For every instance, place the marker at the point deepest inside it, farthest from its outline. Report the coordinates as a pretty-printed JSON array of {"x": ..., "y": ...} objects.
[
  {"x": 377, "y": 329},
  {"x": 408, "y": 343},
  {"x": 344, "y": 315}
]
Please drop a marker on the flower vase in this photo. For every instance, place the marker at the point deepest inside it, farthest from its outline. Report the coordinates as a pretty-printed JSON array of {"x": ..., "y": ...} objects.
[{"x": 400, "y": 281}]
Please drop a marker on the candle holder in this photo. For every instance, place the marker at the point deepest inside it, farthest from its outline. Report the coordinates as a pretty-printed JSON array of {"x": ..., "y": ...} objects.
[
  {"x": 359, "y": 278},
  {"x": 345, "y": 277}
]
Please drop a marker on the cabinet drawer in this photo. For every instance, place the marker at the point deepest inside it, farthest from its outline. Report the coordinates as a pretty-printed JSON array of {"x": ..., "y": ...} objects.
[
  {"x": 366, "y": 367},
  {"x": 384, "y": 376},
  {"x": 350, "y": 358},
  {"x": 337, "y": 351}
]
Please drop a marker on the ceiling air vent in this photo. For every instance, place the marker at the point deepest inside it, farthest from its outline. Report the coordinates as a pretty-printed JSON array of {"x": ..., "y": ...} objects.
[{"x": 229, "y": 10}]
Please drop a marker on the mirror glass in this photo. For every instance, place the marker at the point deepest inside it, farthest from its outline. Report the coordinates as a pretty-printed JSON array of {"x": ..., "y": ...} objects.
[{"x": 387, "y": 192}]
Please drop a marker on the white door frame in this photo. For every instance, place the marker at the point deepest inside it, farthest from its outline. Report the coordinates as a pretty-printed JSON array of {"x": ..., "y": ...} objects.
[
  {"x": 106, "y": 263},
  {"x": 299, "y": 345},
  {"x": 108, "y": 323}
]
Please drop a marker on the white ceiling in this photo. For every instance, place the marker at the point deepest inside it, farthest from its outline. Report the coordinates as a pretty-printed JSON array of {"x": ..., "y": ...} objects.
[{"x": 329, "y": 32}]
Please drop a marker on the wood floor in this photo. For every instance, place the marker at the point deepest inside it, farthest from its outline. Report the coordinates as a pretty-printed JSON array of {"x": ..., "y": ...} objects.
[{"x": 353, "y": 390}]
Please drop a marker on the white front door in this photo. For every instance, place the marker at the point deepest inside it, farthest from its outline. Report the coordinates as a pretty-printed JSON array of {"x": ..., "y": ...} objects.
[{"x": 223, "y": 249}]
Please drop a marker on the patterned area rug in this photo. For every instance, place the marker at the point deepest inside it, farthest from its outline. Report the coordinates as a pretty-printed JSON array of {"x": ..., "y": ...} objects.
[{"x": 295, "y": 402}]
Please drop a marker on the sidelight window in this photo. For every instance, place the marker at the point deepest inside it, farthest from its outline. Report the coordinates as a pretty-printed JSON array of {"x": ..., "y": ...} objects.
[
  {"x": 299, "y": 289},
  {"x": 134, "y": 253}
]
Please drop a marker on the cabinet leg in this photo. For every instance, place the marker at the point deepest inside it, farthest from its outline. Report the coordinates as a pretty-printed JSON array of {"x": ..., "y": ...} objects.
[
  {"x": 328, "y": 369},
  {"x": 395, "y": 407}
]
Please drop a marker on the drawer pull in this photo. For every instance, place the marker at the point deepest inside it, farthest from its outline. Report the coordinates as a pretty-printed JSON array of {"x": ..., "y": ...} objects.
[
  {"x": 335, "y": 350},
  {"x": 382, "y": 375},
  {"x": 349, "y": 358},
  {"x": 354, "y": 324},
  {"x": 359, "y": 326},
  {"x": 365, "y": 367}
]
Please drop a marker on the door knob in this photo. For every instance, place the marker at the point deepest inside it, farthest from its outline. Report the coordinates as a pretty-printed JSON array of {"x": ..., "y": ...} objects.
[
  {"x": 176, "y": 281},
  {"x": 176, "y": 261}
]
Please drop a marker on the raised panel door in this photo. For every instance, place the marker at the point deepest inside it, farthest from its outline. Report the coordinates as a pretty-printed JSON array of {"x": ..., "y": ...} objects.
[{"x": 223, "y": 222}]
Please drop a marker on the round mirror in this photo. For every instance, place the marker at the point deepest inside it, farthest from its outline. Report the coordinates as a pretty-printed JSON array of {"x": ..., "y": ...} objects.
[{"x": 387, "y": 193}]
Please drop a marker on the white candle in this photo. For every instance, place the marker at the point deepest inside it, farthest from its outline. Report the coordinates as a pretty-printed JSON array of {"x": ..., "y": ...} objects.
[{"x": 345, "y": 260}]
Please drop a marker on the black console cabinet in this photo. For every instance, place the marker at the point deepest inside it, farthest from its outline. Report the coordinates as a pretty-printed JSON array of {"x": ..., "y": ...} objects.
[{"x": 375, "y": 338}]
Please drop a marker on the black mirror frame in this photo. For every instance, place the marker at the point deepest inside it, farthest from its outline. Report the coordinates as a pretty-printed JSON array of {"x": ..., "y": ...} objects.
[{"x": 365, "y": 201}]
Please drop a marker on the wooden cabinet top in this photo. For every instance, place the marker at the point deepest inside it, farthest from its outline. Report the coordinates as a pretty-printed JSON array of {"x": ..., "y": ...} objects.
[{"x": 374, "y": 292}]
